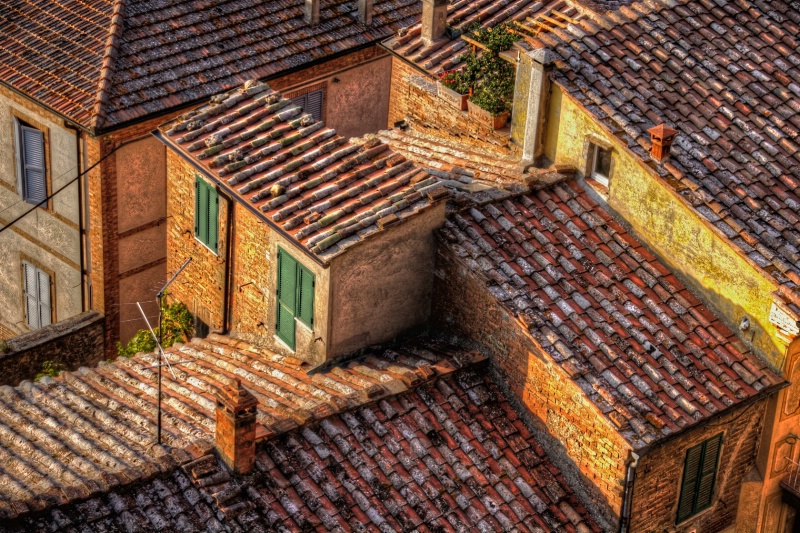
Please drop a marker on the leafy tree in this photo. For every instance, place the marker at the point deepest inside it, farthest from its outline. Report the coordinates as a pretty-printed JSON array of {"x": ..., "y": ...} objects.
[
  {"x": 178, "y": 324},
  {"x": 51, "y": 369}
]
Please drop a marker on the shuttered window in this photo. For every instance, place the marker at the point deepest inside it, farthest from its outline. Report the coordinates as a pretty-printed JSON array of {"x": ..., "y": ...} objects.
[
  {"x": 311, "y": 103},
  {"x": 699, "y": 476},
  {"x": 206, "y": 213},
  {"x": 38, "y": 309},
  {"x": 295, "y": 297},
  {"x": 33, "y": 175}
]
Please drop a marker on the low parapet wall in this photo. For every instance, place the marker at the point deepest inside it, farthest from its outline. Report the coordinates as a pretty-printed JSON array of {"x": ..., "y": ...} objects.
[{"x": 71, "y": 343}]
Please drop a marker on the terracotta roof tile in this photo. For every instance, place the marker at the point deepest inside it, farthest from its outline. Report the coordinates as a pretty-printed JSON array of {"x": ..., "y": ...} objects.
[
  {"x": 91, "y": 430},
  {"x": 736, "y": 161},
  {"x": 630, "y": 335},
  {"x": 449, "y": 456},
  {"x": 303, "y": 178}
]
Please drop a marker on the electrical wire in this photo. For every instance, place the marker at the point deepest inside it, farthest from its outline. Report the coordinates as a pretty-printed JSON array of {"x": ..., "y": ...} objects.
[{"x": 67, "y": 184}]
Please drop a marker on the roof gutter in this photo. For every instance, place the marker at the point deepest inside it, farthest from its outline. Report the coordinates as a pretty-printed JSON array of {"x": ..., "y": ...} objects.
[{"x": 231, "y": 193}]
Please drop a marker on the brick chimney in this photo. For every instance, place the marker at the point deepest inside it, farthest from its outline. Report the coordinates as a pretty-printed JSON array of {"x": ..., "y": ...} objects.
[
  {"x": 236, "y": 426},
  {"x": 434, "y": 20},
  {"x": 312, "y": 12},
  {"x": 365, "y": 12},
  {"x": 661, "y": 138}
]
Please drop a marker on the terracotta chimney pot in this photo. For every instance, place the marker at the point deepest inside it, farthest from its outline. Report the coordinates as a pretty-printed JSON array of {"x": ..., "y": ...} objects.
[
  {"x": 661, "y": 137},
  {"x": 236, "y": 426}
]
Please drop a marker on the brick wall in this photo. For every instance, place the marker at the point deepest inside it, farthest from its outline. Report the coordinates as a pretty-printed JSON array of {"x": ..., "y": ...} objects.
[
  {"x": 413, "y": 96},
  {"x": 659, "y": 474},
  {"x": 462, "y": 304},
  {"x": 201, "y": 285},
  {"x": 74, "y": 342}
]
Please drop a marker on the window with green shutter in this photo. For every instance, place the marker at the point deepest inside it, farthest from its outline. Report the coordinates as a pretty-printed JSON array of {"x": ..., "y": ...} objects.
[
  {"x": 295, "y": 297},
  {"x": 699, "y": 476},
  {"x": 206, "y": 213}
]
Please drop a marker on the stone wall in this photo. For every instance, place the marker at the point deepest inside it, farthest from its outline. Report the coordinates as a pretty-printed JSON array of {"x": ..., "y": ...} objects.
[
  {"x": 74, "y": 342},
  {"x": 659, "y": 474},
  {"x": 414, "y": 97},
  {"x": 583, "y": 436}
]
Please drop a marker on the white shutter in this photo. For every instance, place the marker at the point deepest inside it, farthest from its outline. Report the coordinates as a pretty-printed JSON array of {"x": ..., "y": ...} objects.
[
  {"x": 31, "y": 296},
  {"x": 33, "y": 171},
  {"x": 45, "y": 310}
]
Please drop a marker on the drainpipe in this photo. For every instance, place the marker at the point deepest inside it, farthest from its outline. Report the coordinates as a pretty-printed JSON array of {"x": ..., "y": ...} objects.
[
  {"x": 226, "y": 291},
  {"x": 627, "y": 495},
  {"x": 81, "y": 216},
  {"x": 531, "y": 92}
]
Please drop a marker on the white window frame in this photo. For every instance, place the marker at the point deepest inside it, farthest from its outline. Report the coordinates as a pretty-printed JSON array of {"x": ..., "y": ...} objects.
[
  {"x": 593, "y": 163},
  {"x": 37, "y": 286}
]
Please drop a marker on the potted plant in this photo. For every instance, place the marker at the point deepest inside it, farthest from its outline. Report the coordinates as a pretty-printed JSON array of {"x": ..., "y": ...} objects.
[
  {"x": 492, "y": 99},
  {"x": 454, "y": 88},
  {"x": 487, "y": 108}
]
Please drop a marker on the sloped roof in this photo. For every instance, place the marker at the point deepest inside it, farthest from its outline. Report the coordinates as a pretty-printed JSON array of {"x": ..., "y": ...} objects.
[
  {"x": 632, "y": 337},
  {"x": 726, "y": 75},
  {"x": 54, "y": 51},
  {"x": 448, "y": 456},
  {"x": 155, "y": 55},
  {"x": 304, "y": 179},
  {"x": 86, "y": 432}
]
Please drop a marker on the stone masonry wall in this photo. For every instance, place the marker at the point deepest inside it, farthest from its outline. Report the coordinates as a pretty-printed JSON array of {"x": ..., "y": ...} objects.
[
  {"x": 659, "y": 474},
  {"x": 414, "y": 96},
  {"x": 201, "y": 285},
  {"x": 74, "y": 342},
  {"x": 586, "y": 439}
]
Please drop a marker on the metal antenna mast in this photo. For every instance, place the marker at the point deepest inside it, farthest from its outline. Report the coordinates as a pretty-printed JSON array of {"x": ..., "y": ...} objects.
[{"x": 160, "y": 301}]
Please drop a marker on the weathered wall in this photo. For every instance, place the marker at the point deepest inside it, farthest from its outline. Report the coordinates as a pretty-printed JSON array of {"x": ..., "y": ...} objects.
[
  {"x": 413, "y": 96},
  {"x": 463, "y": 305},
  {"x": 254, "y": 290},
  {"x": 47, "y": 237},
  {"x": 383, "y": 286},
  {"x": 201, "y": 285},
  {"x": 659, "y": 474},
  {"x": 698, "y": 254},
  {"x": 74, "y": 342},
  {"x": 356, "y": 89}
]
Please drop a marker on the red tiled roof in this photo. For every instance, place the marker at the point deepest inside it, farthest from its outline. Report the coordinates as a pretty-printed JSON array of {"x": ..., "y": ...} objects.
[
  {"x": 451, "y": 456},
  {"x": 320, "y": 189},
  {"x": 632, "y": 337},
  {"x": 54, "y": 51},
  {"x": 726, "y": 75},
  {"x": 446, "y": 54},
  {"x": 170, "y": 53},
  {"x": 89, "y": 431}
]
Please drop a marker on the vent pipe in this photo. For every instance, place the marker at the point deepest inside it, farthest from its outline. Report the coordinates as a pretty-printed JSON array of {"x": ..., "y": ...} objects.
[
  {"x": 365, "y": 12},
  {"x": 312, "y": 12}
]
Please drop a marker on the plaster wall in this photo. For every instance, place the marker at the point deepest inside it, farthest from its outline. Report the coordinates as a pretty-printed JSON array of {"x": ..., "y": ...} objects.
[
  {"x": 658, "y": 216},
  {"x": 47, "y": 237},
  {"x": 383, "y": 286}
]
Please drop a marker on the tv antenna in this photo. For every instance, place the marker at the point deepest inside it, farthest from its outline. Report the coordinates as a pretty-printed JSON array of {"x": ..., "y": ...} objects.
[{"x": 158, "y": 338}]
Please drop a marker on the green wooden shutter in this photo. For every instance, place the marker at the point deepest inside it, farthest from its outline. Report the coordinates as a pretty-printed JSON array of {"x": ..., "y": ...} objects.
[
  {"x": 213, "y": 219},
  {"x": 699, "y": 475},
  {"x": 705, "y": 485},
  {"x": 287, "y": 298},
  {"x": 197, "y": 206},
  {"x": 201, "y": 213},
  {"x": 306, "y": 296}
]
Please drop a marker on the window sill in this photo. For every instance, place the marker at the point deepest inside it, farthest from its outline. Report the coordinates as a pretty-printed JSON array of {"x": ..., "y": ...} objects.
[
  {"x": 282, "y": 342},
  {"x": 204, "y": 245},
  {"x": 303, "y": 324},
  {"x": 598, "y": 187}
]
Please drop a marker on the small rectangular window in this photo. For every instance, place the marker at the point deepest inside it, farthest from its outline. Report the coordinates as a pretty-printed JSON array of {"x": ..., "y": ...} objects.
[
  {"x": 38, "y": 309},
  {"x": 206, "y": 214},
  {"x": 312, "y": 103},
  {"x": 31, "y": 160},
  {"x": 600, "y": 164},
  {"x": 295, "y": 297},
  {"x": 699, "y": 477}
]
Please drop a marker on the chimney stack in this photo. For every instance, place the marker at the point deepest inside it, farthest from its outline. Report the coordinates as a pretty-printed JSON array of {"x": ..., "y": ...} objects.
[
  {"x": 434, "y": 20},
  {"x": 312, "y": 12},
  {"x": 365, "y": 12},
  {"x": 661, "y": 137},
  {"x": 236, "y": 426}
]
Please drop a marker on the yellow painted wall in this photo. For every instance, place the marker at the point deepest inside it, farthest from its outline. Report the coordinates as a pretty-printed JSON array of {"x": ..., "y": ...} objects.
[{"x": 704, "y": 260}]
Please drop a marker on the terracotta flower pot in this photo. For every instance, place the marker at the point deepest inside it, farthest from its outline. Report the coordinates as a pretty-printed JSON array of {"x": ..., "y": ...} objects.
[
  {"x": 459, "y": 101},
  {"x": 495, "y": 122}
]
